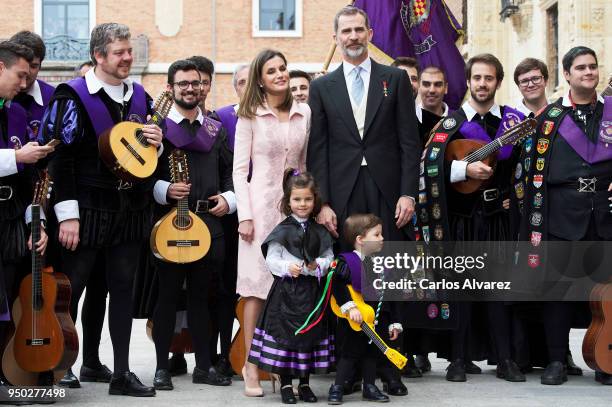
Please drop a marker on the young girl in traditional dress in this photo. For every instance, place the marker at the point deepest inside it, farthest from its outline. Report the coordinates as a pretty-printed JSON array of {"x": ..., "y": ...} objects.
[{"x": 298, "y": 253}]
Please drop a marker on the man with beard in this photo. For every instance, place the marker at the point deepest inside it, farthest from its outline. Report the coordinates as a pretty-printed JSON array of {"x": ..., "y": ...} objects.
[
  {"x": 101, "y": 217},
  {"x": 361, "y": 112},
  {"x": 411, "y": 66},
  {"x": 210, "y": 170},
  {"x": 567, "y": 192},
  {"x": 299, "y": 83},
  {"x": 531, "y": 77},
  {"x": 16, "y": 156},
  {"x": 446, "y": 214}
]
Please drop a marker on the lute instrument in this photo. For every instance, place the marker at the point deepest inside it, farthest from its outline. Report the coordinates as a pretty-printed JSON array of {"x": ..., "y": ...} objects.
[
  {"x": 124, "y": 148},
  {"x": 367, "y": 326},
  {"x": 473, "y": 151},
  {"x": 180, "y": 236},
  {"x": 45, "y": 336}
]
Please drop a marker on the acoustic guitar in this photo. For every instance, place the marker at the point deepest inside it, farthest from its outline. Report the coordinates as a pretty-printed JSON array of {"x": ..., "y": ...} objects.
[
  {"x": 597, "y": 342},
  {"x": 367, "y": 326},
  {"x": 45, "y": 337},
  {"x": 180, "y": 236},
  {"x": 473, "y": 151},
  {"x": 124, "y": 148},
  {"x": 237, "y": 355}
]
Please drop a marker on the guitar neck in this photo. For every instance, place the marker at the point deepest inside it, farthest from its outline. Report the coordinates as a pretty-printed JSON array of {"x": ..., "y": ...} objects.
[
  {"x": 380, "y": 344},
  {"x": 485, "y": 151},
  {"x": 607, "y": 91},
  {"x": 36, "y": 259},
  {"x": 156, "y": 118}
]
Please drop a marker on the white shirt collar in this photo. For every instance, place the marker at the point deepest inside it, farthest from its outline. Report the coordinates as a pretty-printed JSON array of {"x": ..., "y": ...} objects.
[
  {"x": 94, "y": 84},
  {"x": 419, "y": 111},
  {"x": 568, "y": 103},
  {"x": 299, "y": 219},
  {"x": 361, "y": 256},
  {"x": 495, "y": 110},
  {"x": 35, "y": 92},
  {"x": 177, "y": 117},
  {"x": 347, "y": 67}
]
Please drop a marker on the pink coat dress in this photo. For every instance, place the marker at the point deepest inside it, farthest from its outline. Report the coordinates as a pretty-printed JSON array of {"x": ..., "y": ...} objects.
[{"x": 271, "y": 150}]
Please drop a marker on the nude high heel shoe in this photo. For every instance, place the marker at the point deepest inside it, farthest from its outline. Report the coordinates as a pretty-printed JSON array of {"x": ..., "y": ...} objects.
[{"x": 251, "y": 391}]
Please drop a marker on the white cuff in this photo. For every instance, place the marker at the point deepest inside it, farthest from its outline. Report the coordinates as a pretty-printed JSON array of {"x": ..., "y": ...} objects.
[
  {"x": 160, "y": 150},
  {"x": 8, "y": 162},
  {"x": 28, "y": 214},
  {"x": 458, "y": 171},
  {"x": 346, "y": 307},
  {"x": 66, "y": 210},
  {"x": 397, "y": 326},
  {"x": 230, "y": 198},
  {"x": 160, "y": 192}
]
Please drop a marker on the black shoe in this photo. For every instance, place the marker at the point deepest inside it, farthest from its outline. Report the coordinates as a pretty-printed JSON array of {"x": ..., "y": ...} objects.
[
  {"x": 101, "y": 374},
  {"x": 69, "y": 380},
  {"x": 455, "y": 372},
  {"x": 211, "y": 377},
  {"x": 411, "y": 370},
  {"x": 395, "y": 388},
  {"x": 472, "y": 368},
  {"x": 554, "y": 374},
  {"x": 177, "y": 365},
  {"x": 224, "y": 367},
  {"x": 287, "y": 395},
  {"x": 335, "y": 394},
  {"x": 572, "y": 369},
  {"x": 163, "y": 380},
  {"x": 509, "y": 370},
  {"x": 305, "y": 394},
  {"x": 372, "y": 393},
  {"x": 423, "y": 363},
  {"x": 351, "y": 387},
  {"x": 603, "y": 378},
  {"x": 128, "y": 384}
]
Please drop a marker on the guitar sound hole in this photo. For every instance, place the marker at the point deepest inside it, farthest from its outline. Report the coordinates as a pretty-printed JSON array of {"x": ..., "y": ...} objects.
[
  {"x": 181, "y": 223},
  {"x": 141, "y": 138}
]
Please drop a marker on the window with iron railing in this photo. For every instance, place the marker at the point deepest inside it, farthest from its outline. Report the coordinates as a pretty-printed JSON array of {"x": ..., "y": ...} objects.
[{"x": 65, "y": 29}]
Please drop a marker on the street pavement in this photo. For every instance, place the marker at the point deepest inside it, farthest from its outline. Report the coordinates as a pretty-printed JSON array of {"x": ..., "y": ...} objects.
[{"x": 431, "y": 390}]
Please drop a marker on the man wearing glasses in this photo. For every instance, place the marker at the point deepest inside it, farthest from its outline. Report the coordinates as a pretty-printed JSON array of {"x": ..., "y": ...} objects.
[{"x": 531, "y": 77}]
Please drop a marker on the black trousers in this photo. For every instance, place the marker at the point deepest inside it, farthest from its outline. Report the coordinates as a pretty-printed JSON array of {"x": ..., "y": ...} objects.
[
  {"x": 120, "y": 265},
  {"x": 92, "y": 316},
  {"x": 367, "y": 198},
  {"x": 171, "y": 278},
  {"x": 355, "y": 352}
]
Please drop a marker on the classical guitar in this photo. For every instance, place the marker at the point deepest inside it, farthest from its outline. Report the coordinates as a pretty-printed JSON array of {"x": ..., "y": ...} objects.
[
  {"x": 45, "y": 336},
  {"x": 180, "y": 236},
  {"x": 124, "y": 148},
  {"x": 367, "y": 326},
  {"x": 597, "y": 343},
  {"x": 473, "y": 151}
]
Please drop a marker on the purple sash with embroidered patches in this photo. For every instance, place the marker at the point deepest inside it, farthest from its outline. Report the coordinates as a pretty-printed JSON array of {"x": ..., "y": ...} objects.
[
  {"x": 17, "y": 129},
  {"x": 354, "y": 264},
  {"x": 474, "y": 131},
  {"x": 228, "y": 118},
  {"x": 589, "y": 151},
  {"x": 98, "y": 113},
  {"x": 203, "y": 140},
  {"x": 36, "y": 111}
]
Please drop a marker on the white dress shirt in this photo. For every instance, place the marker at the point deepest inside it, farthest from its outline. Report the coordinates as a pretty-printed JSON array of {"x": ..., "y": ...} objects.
[{"x": 359, "y": 111}]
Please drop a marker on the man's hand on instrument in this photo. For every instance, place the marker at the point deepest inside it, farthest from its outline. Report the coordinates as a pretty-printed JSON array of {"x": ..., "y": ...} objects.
[
  {"x": 327, "y": 218},
  {"x": 506, "y": 203},
  {"x": 41, "y": 245},
  {"x": 69, "y": 233},
  {"x": 153, "y": 133},
  {"x": 403, "y": 211},
  {"x": 355, "y": 315},
  {"x": 295, "y": 270},
  {"x": 221, "y": 208},
  {"x": 246, "y": 230},
  {"x": 178, "y": 190},
  {"x": 479, "y": 170},
  {"x": 394, "y": 334},
  {"x": 32, "y": 152}
]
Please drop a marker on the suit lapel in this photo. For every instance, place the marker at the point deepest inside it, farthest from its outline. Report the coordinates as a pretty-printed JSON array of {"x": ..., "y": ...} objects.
[
  {"x": 339, "y": 95},
  {"x": 375, "y": 96}
]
